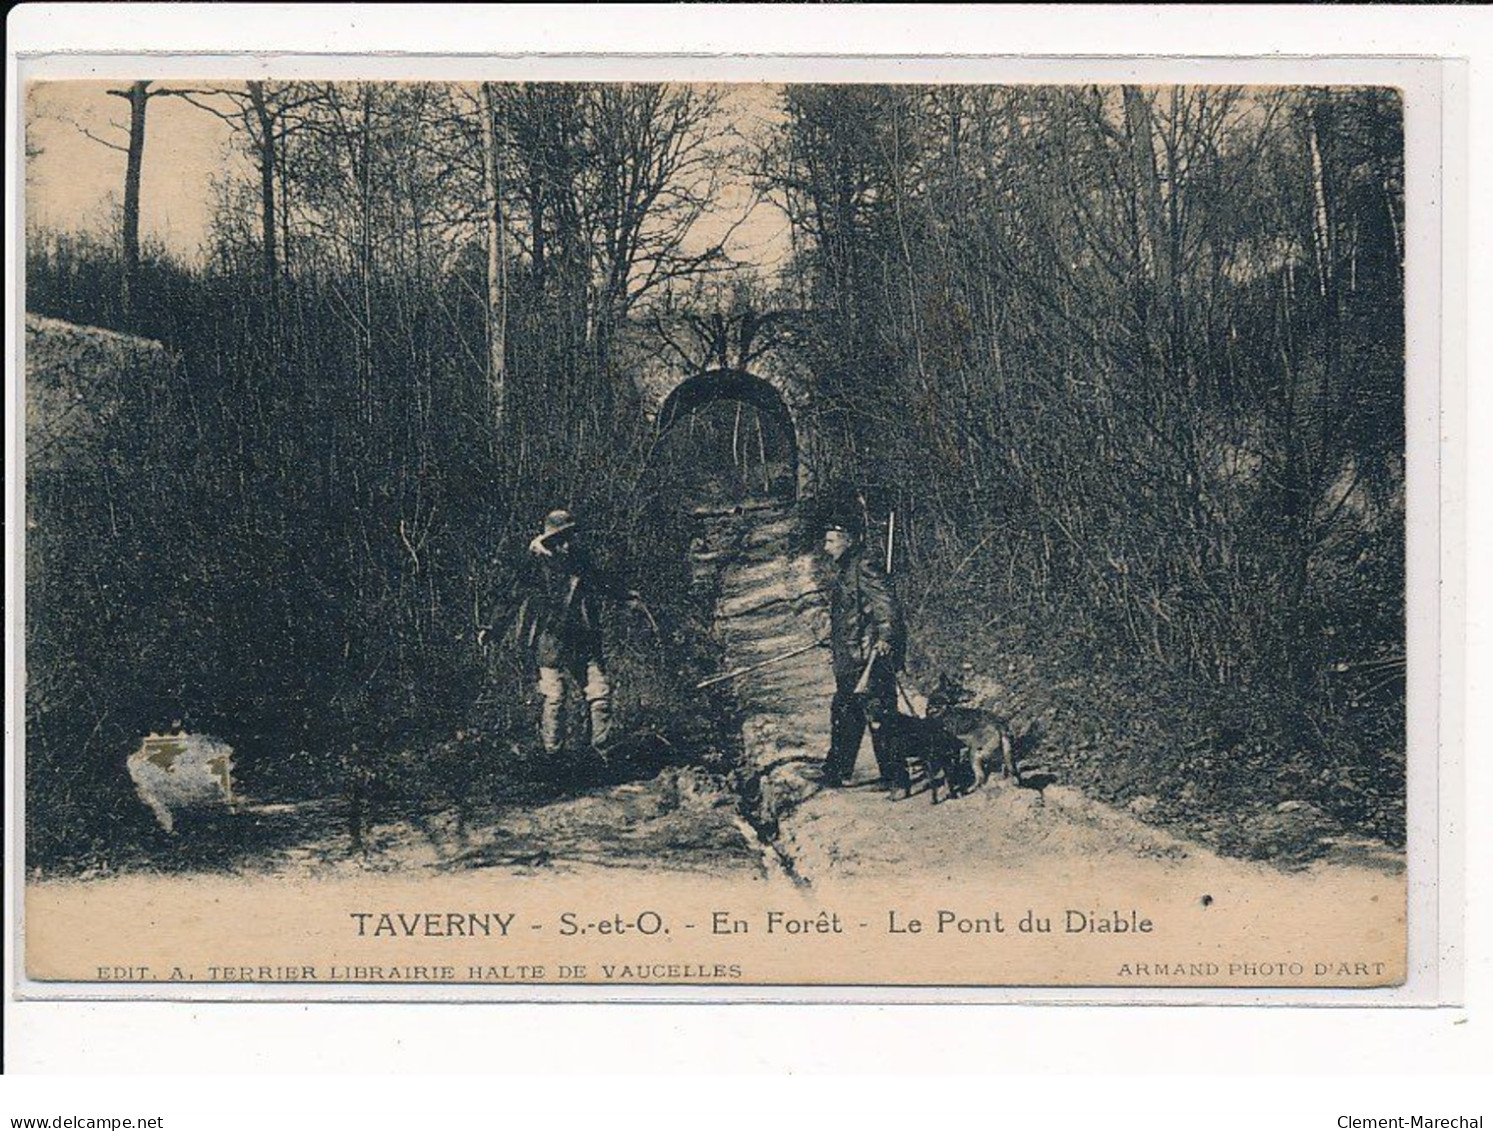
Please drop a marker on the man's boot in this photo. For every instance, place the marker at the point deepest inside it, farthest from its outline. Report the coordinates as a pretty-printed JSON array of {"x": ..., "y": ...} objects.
[{"x": 602, "y": 735}]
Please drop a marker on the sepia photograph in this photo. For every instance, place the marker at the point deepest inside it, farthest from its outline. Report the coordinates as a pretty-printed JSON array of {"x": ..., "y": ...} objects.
[{"x": 597, "y": 533}]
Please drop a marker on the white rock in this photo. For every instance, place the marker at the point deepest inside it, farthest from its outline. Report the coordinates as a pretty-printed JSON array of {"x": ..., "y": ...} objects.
[{"x": 181, "y": 771}]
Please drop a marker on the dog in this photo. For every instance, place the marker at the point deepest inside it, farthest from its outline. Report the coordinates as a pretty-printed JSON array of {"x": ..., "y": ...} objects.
[
  {"x": 987, "y": 736},
  {"x": 919, "y": 749}
]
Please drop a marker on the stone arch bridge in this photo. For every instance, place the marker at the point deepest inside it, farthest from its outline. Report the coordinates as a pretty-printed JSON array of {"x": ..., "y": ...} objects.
[{"x": 685, "y": 362}]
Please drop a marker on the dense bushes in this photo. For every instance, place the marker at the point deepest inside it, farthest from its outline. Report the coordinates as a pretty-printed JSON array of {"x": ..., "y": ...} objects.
[
  {"x": 254, "y": 546},
  {"x": 1129, "y": 364},
  {"x": 302, "y": 533}
]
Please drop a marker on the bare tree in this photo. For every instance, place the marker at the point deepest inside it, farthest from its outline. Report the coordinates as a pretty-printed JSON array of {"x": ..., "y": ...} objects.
[
  {"x": 138, "y": 94},
  {"x": 497, "y": 265},
  {"x": 264, "y": 115}
]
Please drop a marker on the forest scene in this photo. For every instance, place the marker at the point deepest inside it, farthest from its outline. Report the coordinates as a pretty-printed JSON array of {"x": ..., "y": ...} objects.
[{"x": 1114, "y": 376}]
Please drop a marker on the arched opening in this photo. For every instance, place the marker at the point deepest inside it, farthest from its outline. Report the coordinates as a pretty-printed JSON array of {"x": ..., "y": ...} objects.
[{"x": 728, "y": 437}]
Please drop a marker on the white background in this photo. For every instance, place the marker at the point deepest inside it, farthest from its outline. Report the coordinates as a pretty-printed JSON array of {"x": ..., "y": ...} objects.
[{"x": 1174, "y": 1067}]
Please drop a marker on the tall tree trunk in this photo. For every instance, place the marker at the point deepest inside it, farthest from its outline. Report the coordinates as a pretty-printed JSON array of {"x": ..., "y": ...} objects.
[
  {"x": 365, "y": 248},
  {"x": 497, "y": 281},
  {"x": 1324, "y": 240},
  {"x": 282, "y": 163},
  {"x": 1150, "y": 224},
  {"x": 139, "y": 98},
  {"x": 266, "y": 147}
]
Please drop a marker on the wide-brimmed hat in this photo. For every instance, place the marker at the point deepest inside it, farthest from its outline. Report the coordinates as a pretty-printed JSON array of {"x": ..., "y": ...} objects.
[{"x": 556, "y": 522}]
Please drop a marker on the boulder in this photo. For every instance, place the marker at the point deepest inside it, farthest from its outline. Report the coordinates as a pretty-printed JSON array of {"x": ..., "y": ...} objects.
[{"x": 181, "y": 771}]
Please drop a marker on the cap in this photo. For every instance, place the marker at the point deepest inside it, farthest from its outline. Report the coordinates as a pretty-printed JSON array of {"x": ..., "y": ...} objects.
[{"x": 557, "y": 522}]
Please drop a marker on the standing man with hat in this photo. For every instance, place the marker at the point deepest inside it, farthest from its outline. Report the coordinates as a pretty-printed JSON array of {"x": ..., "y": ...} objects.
[
  {"x": 868, "y": 645},
  {"x": 561, "y": 621}
]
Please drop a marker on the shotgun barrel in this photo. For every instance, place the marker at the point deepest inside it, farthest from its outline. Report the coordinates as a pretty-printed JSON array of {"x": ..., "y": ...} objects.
[{"x": 758, "y": 666}]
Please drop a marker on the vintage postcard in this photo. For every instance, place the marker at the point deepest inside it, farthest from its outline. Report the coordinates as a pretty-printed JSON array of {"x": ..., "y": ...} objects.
[{"x": 485, "y": 534}]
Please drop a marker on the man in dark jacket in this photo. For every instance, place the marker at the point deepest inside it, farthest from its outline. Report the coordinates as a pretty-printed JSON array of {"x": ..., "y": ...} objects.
[
  {"x": 560, "y": 620},
  {"x": 868, "y": 645}
]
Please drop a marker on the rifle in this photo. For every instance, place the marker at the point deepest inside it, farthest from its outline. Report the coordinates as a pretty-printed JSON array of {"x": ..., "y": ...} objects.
[{"x": 788, "y": 655}]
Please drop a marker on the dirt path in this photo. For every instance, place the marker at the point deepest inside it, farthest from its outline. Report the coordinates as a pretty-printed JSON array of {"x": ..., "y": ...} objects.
[{"x": 682, "y": 820}]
